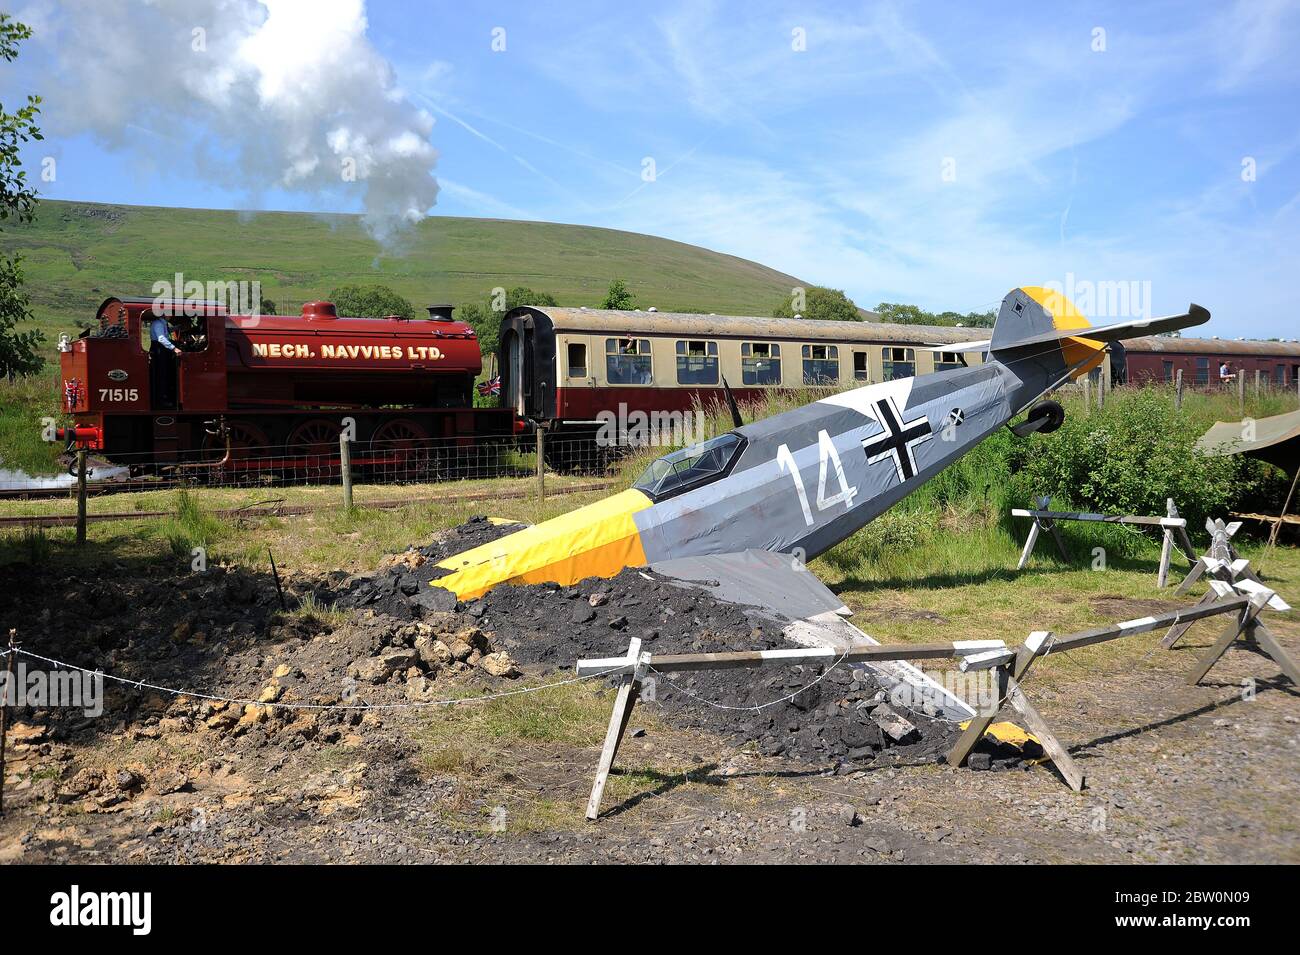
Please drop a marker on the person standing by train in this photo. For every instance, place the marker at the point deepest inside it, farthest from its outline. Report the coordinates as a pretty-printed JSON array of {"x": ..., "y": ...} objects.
[
  {"x": 1226, "y": 375},
  {"x": 162, "y": 364}
]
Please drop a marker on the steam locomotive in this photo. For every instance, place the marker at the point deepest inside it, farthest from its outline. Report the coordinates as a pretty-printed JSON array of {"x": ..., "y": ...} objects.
[{"x": 256, "y": 388}]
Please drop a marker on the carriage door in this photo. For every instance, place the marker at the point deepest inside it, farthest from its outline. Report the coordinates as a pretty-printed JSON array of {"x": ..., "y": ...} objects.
[{"x": 515, "y": 387}]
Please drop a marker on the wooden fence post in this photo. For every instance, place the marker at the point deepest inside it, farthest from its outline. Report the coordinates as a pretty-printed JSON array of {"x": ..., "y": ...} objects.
[
  {"x": 1178, "y": 390},
  {"x": 541, "y": 463},
  {"x": 81, "y": 495},
  {"x": 1087, "y": 393},
  {"x": 4, "y": 709},
  {"x": 1101, "y": 391},
  {"x": 345, "y": 464},
  {"x": 1241, "y": 391}
]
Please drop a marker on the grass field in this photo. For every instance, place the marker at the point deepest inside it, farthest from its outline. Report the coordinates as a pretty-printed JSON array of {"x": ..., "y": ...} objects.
[{"x": 76, "y": 254}]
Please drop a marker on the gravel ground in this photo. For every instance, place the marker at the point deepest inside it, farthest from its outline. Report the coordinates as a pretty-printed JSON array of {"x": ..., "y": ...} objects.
[{"x": 1176, "y": 773}]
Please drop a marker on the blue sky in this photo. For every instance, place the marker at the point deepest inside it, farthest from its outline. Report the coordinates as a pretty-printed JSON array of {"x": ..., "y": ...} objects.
[{"x": 935, "y": 153}]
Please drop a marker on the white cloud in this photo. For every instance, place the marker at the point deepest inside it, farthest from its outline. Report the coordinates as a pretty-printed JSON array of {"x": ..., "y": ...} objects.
[{"x": 260, "y": 94}]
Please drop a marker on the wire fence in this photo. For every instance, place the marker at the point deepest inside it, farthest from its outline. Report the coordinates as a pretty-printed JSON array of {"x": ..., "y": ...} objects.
[{"x": 322, "y": 462}]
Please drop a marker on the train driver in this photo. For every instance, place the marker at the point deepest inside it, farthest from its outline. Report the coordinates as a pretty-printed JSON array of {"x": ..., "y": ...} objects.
[{"x": 162, "y": 364}]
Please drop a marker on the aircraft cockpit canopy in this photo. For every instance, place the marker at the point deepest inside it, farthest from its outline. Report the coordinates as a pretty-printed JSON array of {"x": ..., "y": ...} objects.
[{"x": 691, "y": 467}]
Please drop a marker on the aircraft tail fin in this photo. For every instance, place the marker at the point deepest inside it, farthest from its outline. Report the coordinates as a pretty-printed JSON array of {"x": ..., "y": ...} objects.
[{"x": 1032, "y": 318}]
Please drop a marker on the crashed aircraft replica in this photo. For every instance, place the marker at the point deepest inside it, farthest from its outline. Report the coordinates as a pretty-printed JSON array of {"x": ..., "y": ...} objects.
[{"x": 742, "y": 513}]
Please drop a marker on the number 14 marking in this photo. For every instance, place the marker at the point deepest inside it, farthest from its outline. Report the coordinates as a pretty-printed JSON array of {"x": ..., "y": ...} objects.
[{"x": 827, "y": 454}]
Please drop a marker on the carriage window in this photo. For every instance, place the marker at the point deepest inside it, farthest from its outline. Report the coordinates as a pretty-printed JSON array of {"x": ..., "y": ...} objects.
[
  {"x": 899, "y": 363},
  {"x": 1281, "y": 375},
  {"x": 860, "y": 370},
  {"x": 1202, "y": 371},
  {"x": 577, "y": 360},
  {"x": 627, "y": 361},
  {"x": 760, "y": 363},
  {"x": 697, "y": 363},
  {"x": 1169, "y": 370},
  {"x": 821, "y": 364},
  {"x": 947, "y": 360}
]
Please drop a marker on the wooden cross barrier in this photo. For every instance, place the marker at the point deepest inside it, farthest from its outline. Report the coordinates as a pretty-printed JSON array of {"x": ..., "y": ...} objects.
[
  {"x": 632, "y": 669},
  {"x": 1174, "y": 527},
  {"x": 1245, "y": 609}
]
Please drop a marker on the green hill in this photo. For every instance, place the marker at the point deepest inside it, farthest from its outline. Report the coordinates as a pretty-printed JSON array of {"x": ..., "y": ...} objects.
[{"x": 78, "y": 253}]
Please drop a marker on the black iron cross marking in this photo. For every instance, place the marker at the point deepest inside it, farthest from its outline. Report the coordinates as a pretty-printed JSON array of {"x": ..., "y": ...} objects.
[{"x": 898, "y": 441}]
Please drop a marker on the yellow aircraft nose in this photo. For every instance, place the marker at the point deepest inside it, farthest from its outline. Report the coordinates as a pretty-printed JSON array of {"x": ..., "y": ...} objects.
[{"x": 597, "y": 540}]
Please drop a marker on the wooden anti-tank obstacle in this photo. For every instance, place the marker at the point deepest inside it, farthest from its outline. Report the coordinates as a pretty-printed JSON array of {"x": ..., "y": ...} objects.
[
  {"x": 1174, "y": 527},
  {"x": 1245, "y": 608},
  {"x": 632, "y": 670},
  {"x": 1243, "y": 600}
]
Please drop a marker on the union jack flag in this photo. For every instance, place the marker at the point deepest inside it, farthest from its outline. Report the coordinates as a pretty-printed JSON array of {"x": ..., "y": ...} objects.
[{"x": 490, "y": 386}]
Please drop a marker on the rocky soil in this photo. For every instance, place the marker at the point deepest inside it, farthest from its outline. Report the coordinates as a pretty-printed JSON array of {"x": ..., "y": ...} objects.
[{"x": 323, "y": 757}]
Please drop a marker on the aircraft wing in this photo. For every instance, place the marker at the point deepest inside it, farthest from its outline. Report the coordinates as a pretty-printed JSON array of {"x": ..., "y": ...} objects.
[
  {"x": 981, "y": 344},
  {"x": 780, "y": 588}
]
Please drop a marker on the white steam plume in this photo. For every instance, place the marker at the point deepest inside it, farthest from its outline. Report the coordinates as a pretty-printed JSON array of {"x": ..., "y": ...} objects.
[{"x": 273, "y": 94}]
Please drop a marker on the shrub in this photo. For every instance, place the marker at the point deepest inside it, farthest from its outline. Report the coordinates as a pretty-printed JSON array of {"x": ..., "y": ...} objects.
[{"x": 1126, "y": 459}]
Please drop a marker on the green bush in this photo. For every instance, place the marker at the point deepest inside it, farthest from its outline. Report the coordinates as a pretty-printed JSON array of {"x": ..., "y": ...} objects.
[{"x": 1126, "y": 459}]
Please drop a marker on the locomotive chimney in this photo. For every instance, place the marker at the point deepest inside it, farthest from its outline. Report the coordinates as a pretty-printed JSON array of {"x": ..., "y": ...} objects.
[
  {"x": 440, "y": 313},
  {"x": 318, "y": 311}
]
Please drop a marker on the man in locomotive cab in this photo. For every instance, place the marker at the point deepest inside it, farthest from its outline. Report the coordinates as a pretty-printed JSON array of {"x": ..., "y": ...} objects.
[{"x": 162, "y": 364}]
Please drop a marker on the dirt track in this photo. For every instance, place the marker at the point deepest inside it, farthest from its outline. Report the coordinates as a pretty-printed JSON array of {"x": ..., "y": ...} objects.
[{"x": 1176, "y": 773}]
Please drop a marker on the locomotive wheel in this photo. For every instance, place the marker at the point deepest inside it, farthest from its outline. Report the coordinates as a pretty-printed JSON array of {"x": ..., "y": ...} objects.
[
  {"x": 407, "y": 443},
  {"x": 315, "y": 437},
  {"x": 312, "y": 450},
  {"x": 247, "y": 442}
]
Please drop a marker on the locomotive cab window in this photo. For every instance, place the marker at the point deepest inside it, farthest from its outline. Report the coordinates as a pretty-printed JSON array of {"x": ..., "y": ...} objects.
[
  {"x": 821, "y": 364},
  {"x": 760, "y": 363},
  {"x": 947, "y": 360},
  {"x": 691, "y": 467},
  {"x": 577, "y": 360},
  {"x": 899, "y": 363},
  {"x": 697, "y": 363},
  {"x": 627, "y": 361}
]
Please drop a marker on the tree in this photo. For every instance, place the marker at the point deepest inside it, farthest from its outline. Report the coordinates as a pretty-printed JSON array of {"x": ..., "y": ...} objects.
[
  {"x": 618, "y": 297},
  {"x": 265, "y": 306},
  {"x": 912, "y": 315},
  {"x": 370, "y": 301},
  {"x": 485, "y": 319},
  {"x": 820, "y": 304},
  {"x": 19, "y": 353}
]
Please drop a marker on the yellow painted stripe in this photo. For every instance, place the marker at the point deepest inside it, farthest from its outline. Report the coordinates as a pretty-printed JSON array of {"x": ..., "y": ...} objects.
[
  {"x": 1066, "y": 317},
  {"x": 598, "y": 540}
]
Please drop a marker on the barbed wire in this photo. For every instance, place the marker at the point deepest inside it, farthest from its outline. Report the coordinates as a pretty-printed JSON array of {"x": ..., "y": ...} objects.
[{"x": 413, "y": 704}]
